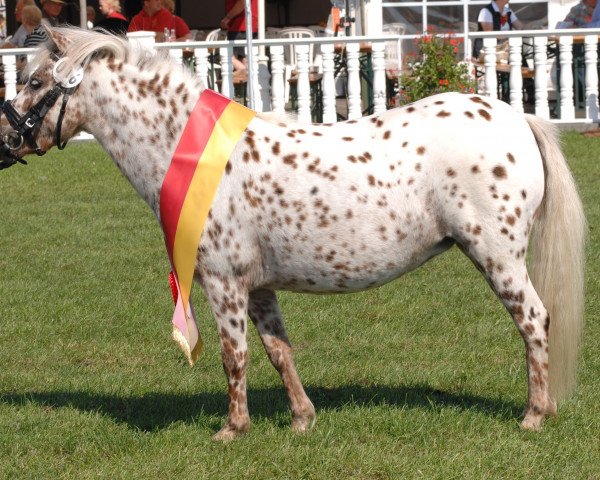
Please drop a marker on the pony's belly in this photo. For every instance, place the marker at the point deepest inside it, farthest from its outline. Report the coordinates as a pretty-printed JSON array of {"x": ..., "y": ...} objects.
[{"x": 323, "y": 275}]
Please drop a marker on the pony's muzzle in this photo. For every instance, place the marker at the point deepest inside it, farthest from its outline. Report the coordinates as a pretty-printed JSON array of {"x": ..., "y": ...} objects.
[{"x": 12, "y": 139}]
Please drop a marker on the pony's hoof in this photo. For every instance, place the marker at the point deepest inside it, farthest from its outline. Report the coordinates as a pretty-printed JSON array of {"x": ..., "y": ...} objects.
[
  {"x": 303, "y": 424},
  {"x": 228, "y": 433},
  {"x": 532, "y": 422}
]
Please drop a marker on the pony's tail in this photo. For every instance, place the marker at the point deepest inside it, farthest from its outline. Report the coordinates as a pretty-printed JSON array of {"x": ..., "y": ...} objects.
[{"x": 557, "y": 260}]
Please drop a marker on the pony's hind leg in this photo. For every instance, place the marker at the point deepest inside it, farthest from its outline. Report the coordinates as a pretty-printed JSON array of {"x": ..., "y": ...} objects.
[
  {"x": 264, "y": 311},
  {"x": 229, "y": 303},
  {"x": 506, "y": 273}
]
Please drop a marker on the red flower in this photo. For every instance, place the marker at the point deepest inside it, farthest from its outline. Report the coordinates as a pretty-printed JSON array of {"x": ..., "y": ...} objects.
[{"x": 444, "y": 82}]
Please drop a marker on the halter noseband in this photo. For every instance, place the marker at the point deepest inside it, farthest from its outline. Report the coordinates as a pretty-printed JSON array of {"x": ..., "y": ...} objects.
[{"x": 25, "y": 125}]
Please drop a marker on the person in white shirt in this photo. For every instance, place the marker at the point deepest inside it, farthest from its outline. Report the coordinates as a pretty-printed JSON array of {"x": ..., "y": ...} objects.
[{"x": 496, "y": 16}]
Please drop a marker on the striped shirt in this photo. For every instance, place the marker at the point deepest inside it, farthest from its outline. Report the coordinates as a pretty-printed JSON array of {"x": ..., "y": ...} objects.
[{"x": 37, "y": 36}]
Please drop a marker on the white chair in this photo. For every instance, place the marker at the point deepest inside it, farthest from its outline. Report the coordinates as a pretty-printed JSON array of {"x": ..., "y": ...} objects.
[
  {"x": 318, "y": 30},
  {"x": 215, "y": 68},
  {"x": 289, "y": 53},
  {"x": 272, "y": 32},
  {"x": 216, "y": 35}
]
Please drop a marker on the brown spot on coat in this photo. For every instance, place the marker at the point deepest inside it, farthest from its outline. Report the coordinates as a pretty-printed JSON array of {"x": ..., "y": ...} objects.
[
  {"x": 484, "y": 114},
  {"x": 499, "y": 172}
]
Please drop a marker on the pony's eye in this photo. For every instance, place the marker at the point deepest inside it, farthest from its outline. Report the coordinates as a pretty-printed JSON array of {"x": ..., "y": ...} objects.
[{"x": 35, "y": 84}]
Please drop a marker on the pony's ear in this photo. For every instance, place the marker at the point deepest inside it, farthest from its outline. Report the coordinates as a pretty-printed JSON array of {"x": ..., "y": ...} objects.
[{"x": 60, "y": 40}]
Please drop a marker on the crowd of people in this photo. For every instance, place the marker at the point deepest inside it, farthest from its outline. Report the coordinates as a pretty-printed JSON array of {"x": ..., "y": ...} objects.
[{"x": 158, "y": 16}]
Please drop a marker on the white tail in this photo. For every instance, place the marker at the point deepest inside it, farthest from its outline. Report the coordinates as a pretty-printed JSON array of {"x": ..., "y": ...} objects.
[{"x": 557, "y": 260}]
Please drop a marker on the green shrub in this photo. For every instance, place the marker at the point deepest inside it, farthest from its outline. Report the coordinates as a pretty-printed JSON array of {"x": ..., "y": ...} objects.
[{"x": 436, "y": 68}]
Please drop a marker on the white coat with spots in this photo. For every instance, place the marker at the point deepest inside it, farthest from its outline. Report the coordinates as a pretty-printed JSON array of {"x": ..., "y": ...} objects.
[{"x": 346, "y": 207}]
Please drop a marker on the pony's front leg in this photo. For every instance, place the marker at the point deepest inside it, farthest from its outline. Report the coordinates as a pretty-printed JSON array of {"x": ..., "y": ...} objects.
[{"x": 229, "y": 303}]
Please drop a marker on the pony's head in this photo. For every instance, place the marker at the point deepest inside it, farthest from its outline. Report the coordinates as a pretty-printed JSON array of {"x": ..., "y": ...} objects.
[{"x": 49, "y": 109}]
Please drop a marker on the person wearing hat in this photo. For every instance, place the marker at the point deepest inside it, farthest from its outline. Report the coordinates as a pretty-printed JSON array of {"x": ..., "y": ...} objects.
[{"x": 51, "y": 11}]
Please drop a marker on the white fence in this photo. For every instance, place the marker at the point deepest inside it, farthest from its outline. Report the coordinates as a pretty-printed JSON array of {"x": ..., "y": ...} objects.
[{"x": 561, "y": 82}]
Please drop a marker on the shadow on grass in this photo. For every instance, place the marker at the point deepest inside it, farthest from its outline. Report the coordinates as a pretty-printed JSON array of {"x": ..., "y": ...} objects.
[{"x": 159, "y": 410}]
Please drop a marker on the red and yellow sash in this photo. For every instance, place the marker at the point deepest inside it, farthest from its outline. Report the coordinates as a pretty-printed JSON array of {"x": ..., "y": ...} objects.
[{"x": 210, "y": 135}]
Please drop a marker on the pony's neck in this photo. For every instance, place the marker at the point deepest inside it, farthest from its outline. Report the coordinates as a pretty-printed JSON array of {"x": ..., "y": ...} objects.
[{"x": 138, "y": 115}]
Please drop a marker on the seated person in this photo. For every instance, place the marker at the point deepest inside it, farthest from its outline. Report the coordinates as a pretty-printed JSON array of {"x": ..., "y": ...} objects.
[
  {"x": 114, "y": 21},
  {"x": 91, "y": 16},
  {"x": 32, "y": 21},
  {"x": 155, "y": 18},
  {"x": 18, "y": 39},
  {"x": 580, "y": 16},
  {"x": 497, "y": 16},
  {"x": 595, "y": 22}
]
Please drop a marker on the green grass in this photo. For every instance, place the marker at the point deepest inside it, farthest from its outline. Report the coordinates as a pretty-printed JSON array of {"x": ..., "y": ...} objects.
[{"x": 422, "y": 378}]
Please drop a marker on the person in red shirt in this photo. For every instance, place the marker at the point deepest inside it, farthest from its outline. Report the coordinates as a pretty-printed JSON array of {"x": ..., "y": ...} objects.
[
  {"x": 155, "y": 18},
  {"x": 235, "y": 23}
]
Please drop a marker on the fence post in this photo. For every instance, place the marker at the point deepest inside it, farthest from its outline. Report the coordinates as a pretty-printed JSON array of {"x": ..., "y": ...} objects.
[
  {"x": 328, "y": 86},
  {"x": 303, "y": 87},
  {"x": 10, "y": 76},
  {"x": 201, "y": 65},
  {"x": 226, "y": 53},
  {"x": 591, "y": 77},
  {"x": 489, "y": 64},
  {"x": 515, "y": 80},
  {"x": 277, "y": 79},
  {"x": 567, "y": 107},
  {"x": 354, "y": 100},
  {"x": 540, "y": 59},
  {"x": 263, "y": 103},
  {"x": 379, "y": 90}
]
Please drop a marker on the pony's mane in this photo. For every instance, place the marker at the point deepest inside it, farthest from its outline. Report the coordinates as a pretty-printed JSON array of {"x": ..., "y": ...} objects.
[{"x": 83, "y": 44}]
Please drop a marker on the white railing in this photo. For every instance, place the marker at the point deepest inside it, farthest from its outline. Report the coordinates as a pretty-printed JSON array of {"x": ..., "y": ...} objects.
[
  {"x": 269, "y": 77},
  {"x": 562, "y": 97},
  {"x": 564, "y": 63}
]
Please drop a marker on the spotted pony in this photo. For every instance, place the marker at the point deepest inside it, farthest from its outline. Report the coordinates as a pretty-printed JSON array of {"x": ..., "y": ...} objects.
[{"x": 343, "y": 207}]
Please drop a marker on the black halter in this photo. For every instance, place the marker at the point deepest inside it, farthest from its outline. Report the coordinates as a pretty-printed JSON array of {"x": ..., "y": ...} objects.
[{"x": 26, "y": 126}]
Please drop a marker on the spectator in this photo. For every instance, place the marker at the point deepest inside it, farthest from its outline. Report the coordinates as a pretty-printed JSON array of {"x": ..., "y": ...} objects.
[
  {"x": 18, "y": 39},
  {"x": 32, "y": 21},
  {"x": 91, "y": 16},
  {"x": 170, "y": 6},
  {"x": 155, "y": 18},
  {"x": 114, "y": 21},
  {"x": 51, "y": 10},
  {"x": 595, "y": 23},
  {"x": 496, "y": 16},
  {"x": 580, "y": 16},
  {"x": 31, "y": 17},
  {"x": 234, "y": 22}
]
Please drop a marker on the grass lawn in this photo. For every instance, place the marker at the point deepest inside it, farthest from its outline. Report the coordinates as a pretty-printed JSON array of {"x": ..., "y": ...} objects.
[{"x": 422, "y": 378}]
